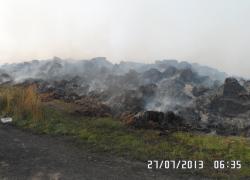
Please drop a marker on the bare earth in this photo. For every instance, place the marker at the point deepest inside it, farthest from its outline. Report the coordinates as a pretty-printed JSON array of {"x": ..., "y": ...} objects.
[{"x": 24, "y": 155}]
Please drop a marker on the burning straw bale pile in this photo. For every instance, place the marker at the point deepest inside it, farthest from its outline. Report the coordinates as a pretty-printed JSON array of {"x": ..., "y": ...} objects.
[
  {"x": 154, "y": 120},
  {"x": 92, "y": 107}
]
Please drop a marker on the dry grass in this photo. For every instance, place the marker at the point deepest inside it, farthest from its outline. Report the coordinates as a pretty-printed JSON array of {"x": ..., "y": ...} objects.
[{"x": 20, "y": 103}]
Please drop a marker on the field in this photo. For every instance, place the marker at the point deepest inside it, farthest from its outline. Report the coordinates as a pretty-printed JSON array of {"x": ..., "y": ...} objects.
[{"x": 110, "y": 135}]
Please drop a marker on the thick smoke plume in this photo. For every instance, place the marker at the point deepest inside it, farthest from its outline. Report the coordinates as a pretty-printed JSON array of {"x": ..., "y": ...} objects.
[{"x": 164, "y": 85}]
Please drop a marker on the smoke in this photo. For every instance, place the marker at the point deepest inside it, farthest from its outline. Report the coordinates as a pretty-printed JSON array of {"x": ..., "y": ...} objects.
[
  {"x": 164, "y": 85},
  {"x": 209, "y": 32}
]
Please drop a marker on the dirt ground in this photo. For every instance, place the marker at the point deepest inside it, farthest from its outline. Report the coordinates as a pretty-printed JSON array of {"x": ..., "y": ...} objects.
[{"x": 24, "y": 155}]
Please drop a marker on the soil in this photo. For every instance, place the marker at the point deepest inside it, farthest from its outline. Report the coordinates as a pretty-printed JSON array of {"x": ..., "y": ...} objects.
[{"x": 25, "y": 155}]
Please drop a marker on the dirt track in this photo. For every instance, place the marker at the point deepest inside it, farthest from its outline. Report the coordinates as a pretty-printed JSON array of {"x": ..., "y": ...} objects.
[{"x": 24, "y": 155}]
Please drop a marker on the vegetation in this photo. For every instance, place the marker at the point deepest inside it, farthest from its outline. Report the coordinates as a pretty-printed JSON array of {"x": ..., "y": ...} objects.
[
  {"x": 110, "y": 135},
  {"x": 20, "y": 103}
]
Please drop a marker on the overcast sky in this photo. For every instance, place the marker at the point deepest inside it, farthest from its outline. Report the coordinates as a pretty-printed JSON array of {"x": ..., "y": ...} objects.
[{"x": 210, "y": 32}]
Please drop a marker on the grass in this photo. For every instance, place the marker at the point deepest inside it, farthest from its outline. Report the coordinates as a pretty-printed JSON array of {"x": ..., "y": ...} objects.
[
  {"x": 20, "y": 103},
  {"x": 110, "y": 135}
]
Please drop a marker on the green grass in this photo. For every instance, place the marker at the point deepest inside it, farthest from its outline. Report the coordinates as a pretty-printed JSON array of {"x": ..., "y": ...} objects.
[{"x": 110, "y": 135}]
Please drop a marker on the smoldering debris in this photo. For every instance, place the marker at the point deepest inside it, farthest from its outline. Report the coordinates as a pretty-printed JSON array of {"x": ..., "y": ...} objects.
[{"x": 189, "y": 91}]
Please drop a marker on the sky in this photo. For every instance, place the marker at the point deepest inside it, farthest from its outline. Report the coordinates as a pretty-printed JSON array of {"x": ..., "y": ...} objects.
[{"x": 209, "y": 32}]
